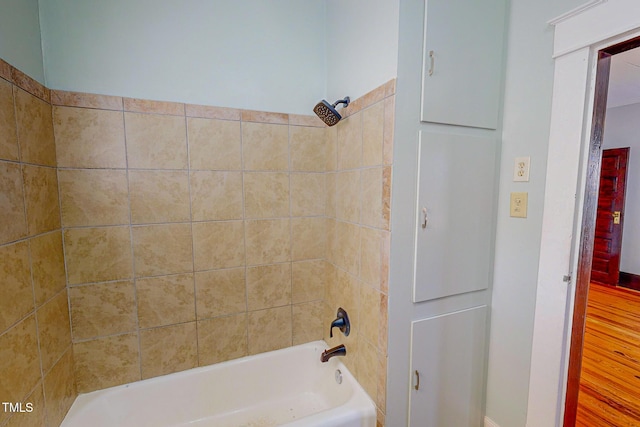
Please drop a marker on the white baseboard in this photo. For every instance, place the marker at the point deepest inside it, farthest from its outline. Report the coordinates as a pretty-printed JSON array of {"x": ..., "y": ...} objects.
[{"x": 488, "y": 422}]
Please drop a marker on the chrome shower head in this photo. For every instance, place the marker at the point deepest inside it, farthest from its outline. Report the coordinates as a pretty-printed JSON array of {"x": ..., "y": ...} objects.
[{"x": 328, "y": 113}]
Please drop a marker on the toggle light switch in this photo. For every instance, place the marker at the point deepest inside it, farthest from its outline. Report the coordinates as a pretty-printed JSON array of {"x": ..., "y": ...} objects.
[{"x": 518, "y": 207}]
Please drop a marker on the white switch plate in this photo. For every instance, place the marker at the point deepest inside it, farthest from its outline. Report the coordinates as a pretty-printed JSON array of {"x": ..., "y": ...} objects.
[
  {"x": 518, "y": 205},
  {"x": 521, "y": 169}
]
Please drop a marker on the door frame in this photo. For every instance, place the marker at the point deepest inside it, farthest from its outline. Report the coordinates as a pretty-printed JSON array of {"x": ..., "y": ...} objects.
[
  {"x": 590, "y": 208},
  {"x": 578, "y": 35}
]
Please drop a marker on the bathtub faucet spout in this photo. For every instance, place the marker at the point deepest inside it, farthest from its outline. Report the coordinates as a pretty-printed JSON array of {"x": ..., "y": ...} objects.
[{"x": 339, "y": 350}]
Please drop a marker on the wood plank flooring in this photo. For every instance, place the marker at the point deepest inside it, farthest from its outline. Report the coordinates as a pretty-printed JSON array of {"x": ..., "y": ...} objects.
[{"x": 610, "y": 377}]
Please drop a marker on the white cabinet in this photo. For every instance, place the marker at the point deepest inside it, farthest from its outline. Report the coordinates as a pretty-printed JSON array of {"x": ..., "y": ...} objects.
[
  {"x": 455, "y": 203},
  {"x": 448, "y": 359},
  {"x": 463, "y": 62}
]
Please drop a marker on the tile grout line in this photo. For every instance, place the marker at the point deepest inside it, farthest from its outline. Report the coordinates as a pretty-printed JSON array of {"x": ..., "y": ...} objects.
[
  {"x": 131, "y": 245},
  {"x": 193, "y": 245},
  {"x": 244, "y": 237}
]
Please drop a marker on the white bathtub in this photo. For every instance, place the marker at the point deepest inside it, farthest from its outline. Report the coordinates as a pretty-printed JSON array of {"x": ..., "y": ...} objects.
[{"x": 288, "y": 387}]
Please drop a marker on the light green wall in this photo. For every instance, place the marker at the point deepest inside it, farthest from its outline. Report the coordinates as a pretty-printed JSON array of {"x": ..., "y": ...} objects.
[
  {"x": 362, "y": 46},
  {"x": 20, "y": 42},
  {"x": 527, "y": 112},
  {"x": 254, "y": 54}
]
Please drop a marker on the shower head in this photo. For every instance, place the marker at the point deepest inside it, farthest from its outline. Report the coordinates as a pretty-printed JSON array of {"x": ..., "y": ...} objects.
[{"x": 328, "y": 113}]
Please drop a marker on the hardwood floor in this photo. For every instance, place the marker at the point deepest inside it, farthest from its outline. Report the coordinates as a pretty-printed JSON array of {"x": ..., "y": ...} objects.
[{"x": 610, "y": 378}]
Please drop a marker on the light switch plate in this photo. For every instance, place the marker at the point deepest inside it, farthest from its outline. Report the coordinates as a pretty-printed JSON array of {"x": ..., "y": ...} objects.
[
  {"x": 518, "y": 206},
  {"x": 521, "y": 169}
]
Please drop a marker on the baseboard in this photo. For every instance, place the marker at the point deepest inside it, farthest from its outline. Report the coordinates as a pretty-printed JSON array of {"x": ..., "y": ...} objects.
[
  {"x": 629, "y": 280},
  {"x": 488, "y": 422}
]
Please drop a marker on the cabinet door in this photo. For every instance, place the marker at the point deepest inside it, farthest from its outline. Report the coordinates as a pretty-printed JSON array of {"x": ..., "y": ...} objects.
[
  {"x": 448, "y": 353},
  {"x": 456, "y": 186},
  {"x": 463, "y": 62}
]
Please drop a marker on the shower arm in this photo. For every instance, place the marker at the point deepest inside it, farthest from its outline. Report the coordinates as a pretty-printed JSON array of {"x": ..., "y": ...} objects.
[{"x": 344, "y": 101}]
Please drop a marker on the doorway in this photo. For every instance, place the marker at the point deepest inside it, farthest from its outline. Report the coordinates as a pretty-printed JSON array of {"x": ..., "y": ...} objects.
[{"x": 598, "y": 226}]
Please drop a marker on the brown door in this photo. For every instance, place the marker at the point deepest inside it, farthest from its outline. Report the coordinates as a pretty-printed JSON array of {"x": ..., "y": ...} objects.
[{"x": 607, "y": 244}]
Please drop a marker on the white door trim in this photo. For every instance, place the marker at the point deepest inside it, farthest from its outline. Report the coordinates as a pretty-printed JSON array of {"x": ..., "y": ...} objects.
[{"x": 576, "y": 39}]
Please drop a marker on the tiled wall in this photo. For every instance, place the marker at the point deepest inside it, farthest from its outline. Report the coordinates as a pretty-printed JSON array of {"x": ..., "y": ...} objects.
[
  {"x": 358, "y": 235},
  {"x": 36, "y": 357},
  {"x": 192, "y": 234}
]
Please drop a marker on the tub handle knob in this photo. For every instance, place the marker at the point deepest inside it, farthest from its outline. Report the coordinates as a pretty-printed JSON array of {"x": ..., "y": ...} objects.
[{"x": 341, "y": 322}]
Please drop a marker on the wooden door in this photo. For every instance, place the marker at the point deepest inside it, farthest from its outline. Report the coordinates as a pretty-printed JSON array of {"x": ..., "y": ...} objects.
[{"x": 605, "y": 267}]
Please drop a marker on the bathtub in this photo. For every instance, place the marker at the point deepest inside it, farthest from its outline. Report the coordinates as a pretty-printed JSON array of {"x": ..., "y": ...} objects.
[{"x": 288, "y": 387}]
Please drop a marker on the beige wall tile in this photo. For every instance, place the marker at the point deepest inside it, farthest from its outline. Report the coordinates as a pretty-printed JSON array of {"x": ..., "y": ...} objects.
[
  {"x": 159, "y": 196},
  {"x": 350, "y": 142},
  {"x": 268, "y": 286},
  {"x": 372, "y": 134},
  {"x": 93, "y": 197},
  {"x": 265, "y": 146},
  {"x": 151, "y": 106},
  {"x": 222, "y": 339},
  {"x": 162, "y": 249},
  {"x": 168, "y": 349},
  {"x": 35, "y": 129},
  {"x": 54, "y": 329},
  {"x": 307, "y": 238},
  {"x": 372, "y": 197},
  {"x": 385, "y": 250},
  {"x": 386, "y": 197},
  {"x": 369, "y": 321},
  {"x": 308, "y": 281},
  {"x": 5, "y": 70},
  {"x": 330, "y": 195},
  {"x": 308, "y": 149},
  {"x": 47, "y": 263},
  {"x": 41, "y": 196},
  {"x": 269, "y": 329},
  {"x": 87, "y": 138},
  {"x": 384, "y": 324},
  {"x": 268, "y": 241},
  {"x": 307, "y": 322},
  {"x": 307, "y": 194},
  {"x": 331, "y": 143},
  {"x": 331, "y": 291},
  {"x": 8, "y": 135},
  {"x": 165, "y": 300},
  {"x": 218, "y": 244},
  {"x": 216, "y": 195},
  {"x": 266, "y": 194},
  {"x": 156, "y": 141},
  {"x": 209, "y": 112},
  {"x": 30, "y": 419},
  {"x": 264, "y": 117},
  {"x": 106, "y": 362},
  {"x": 86, "y": 100},
  {"x": 220, "y": 292},
  {"x": 346, "y": 294},
  {"x": 368, "y": 369},
  {"x": 370, "y": 256},
  {"x": 347, "y": 244},
  {"x": 348, "y": 196},
  {"x": 214, "y": 144},
  {"x": 303, "y": 120},
  {"x": 102, "y": 309},
  {"x": 12, "y": 214},
  {"x": 16, "y": 295},
  {"x": 29, "y": 84},
  {"x": 19, "y": 361},
  {"x": 97, "y": 254},
  {"x": 389, "y": 122},
  {"x": 331, "y": 248},
  {"x": 60, "y": 389}
]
